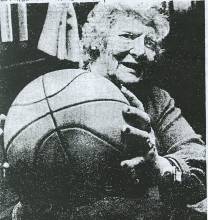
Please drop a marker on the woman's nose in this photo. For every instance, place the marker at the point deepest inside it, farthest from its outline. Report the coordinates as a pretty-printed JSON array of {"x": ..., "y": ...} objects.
[{"x": 138, "y": 47}]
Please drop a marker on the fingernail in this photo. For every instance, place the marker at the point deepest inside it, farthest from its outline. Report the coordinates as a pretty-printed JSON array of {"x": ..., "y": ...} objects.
[
  {"x": 126, "y": 129},
  {"x": 127, "y": 109},
  {"x": 148, "y": 140},
  {"x": 123, "y": 164},
  {"x": 123, "y": 89},
  {"x": 137, "y": 180}
]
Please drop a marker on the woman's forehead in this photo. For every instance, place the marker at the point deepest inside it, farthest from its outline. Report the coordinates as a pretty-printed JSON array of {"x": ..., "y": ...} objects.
[{"x": 133, "y": 24}]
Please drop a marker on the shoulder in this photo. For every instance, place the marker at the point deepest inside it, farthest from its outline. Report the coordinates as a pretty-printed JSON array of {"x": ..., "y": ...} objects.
[
  {"x": 159, "y": 102},
  {"x": 153, "y": 96},
  {"x": 160, "y": 96}
]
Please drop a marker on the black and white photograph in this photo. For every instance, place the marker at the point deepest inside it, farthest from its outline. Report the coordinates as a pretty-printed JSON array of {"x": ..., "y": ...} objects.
[{"x": 102, "y": 110}]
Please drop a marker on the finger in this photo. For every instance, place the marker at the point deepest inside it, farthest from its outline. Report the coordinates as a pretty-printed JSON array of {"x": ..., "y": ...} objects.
[
  {"x": 136, "y": 134},
  {"x": 135, "y": 141},
  {"x": 132, "y": 162},
  {"x": 133, "y": 100},
  {"x": 152, "y": 154},
  {"x": 137, "y": 118},
  {"x": 131, "y": 166}
]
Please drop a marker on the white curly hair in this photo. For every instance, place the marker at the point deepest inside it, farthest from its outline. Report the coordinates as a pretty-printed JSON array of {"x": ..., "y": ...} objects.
[{"x": 104, "y": 15}]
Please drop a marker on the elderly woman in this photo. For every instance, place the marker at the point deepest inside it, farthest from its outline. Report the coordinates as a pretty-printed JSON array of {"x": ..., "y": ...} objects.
[{"x": 120, "y": 40}]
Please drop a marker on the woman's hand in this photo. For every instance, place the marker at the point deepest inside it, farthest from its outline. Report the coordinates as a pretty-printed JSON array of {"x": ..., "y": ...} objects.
[{"x": 139, "y": 135}]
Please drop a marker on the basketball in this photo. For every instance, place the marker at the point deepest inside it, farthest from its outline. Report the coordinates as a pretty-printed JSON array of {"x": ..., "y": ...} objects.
[{"x": 63, "y": 136}]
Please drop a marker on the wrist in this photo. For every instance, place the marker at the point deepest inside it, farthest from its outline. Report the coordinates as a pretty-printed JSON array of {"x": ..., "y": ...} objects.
[
  {"x": 170, "y": 172},
  {"x": 164, "y": 166},
  {"x": 170, "y": 183}
]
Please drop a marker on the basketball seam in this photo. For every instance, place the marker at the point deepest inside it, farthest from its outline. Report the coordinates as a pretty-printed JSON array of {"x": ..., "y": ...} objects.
[
  {"x": 57, "y": 110},
  {"x": 92, "y": 132},
  {"x": 55, "y": 124},
  {"x": 31, "y": 103},
  {"x": 89, "y": 101},
  {"x": 23, "y": 128}
]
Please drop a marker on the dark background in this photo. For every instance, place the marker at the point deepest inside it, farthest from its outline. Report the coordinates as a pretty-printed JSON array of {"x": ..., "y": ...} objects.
[{"x": 181, "y": 69}]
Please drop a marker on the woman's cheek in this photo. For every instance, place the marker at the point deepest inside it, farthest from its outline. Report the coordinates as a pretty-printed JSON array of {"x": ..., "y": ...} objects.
[
  {"x": 150, "y": 54},
  {"x": 117, "y": 45}
]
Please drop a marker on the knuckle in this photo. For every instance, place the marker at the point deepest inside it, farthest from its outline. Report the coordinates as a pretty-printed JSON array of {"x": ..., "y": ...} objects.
[
  {"x": 145, "y": 135},
  {"x": 143, "y": 115},
  {"x": 147, "y": 118},
  {"x": 126, "y": 129},
  {"x": 133, "y": 110}
]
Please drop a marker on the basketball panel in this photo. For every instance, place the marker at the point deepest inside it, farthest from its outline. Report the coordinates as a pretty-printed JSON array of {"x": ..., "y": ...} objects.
[
  {"x": 103, "y": 118},
  {"x": 32, "y": 93},
  {"x": 55, "y": 81},
  {"x": 23, "y": 146},
  {"x": 20, "y": 117},
  {"x": 50, "y": 152},
  {"x": 94, "y": 167},
  {"x": 88, "y": 87}
]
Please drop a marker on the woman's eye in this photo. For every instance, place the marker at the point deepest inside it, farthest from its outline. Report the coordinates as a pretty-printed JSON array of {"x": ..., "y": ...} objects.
[
  {"x": 149, "y": 43},
  {"x": 129, "y": 36}
]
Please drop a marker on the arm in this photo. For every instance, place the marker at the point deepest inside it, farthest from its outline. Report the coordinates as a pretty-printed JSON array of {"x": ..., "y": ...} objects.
[
  {"x": 179, "y": 149},
  {"x": 181, "y": 146}
]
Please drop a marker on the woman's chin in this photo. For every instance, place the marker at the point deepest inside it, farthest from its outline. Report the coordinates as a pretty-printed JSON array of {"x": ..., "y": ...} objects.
[{"x": 128, "y": 78}]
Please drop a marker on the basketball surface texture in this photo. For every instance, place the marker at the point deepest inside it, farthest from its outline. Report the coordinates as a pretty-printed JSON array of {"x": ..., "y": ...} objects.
[{"x": 63, "y": 136}]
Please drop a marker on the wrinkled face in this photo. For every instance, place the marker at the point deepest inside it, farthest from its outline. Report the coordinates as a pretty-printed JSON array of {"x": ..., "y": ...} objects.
[{"x": 129, "y": 49}]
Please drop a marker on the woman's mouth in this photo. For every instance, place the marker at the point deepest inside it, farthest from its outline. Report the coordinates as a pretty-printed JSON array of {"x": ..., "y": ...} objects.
[
  {"x": 130, "y": 65},
  {"x": 134, "y": 68}
]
